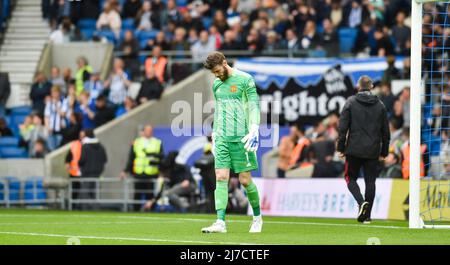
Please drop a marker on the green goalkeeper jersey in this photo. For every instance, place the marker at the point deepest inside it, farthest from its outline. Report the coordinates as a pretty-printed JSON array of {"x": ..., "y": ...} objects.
[{"x": 236, "y": 106}]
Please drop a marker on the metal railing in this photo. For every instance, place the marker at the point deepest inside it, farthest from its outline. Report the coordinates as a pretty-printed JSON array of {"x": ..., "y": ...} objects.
[{"x": 119, "y": 194}]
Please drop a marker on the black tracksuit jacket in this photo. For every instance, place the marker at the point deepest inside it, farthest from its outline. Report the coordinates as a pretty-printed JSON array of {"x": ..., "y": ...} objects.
[{"x": 363, "y": 127}]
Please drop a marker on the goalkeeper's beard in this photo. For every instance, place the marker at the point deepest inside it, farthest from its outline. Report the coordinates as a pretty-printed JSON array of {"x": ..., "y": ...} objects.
[{"x": 224, "y": 76}]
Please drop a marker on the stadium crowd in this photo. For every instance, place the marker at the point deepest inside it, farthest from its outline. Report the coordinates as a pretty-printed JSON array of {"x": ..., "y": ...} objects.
[{"x": 192, "y": 29}]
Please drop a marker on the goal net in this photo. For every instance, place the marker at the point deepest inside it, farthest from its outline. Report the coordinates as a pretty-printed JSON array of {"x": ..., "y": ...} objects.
[{"x": 430, "y": 115}]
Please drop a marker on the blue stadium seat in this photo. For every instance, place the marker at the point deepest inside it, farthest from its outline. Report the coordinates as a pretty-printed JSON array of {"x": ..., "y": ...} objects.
[
  {"x": 34, "y": 190},
  {"x": 142, "y": 35},
  {"x": 23, "y": 110},
  {"x": 87, "y": 23},
  {"x": 347, "y": 37},
  {"x": 14, "y": 188},
  {"x": 108, "y": 34},
  {"x": 9, "y": 141},
  {"x": 182, "y": 3},
  {"x": 142, "y": 58},
  {"x": 16, "y": 120},
  {"x": 207, "y": 21},
  {"x": 13, "y": 152},
  {"x": 88, "y": 33},
  {"x": 128, "y": 24}
]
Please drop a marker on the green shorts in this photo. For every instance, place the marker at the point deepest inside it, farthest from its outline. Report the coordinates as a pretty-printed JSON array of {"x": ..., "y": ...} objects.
[{"x": 234, "y": 156}]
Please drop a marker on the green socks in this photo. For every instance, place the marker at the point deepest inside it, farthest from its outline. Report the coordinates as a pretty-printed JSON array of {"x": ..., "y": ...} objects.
[
  {"x": 253, "y": 198},
  {"x": 221, "y": 198}
]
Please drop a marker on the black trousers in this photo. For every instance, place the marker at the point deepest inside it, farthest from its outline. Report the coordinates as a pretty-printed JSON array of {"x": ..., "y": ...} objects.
[
  {"x": 143, "y": 190},
  {"x": 370, "y": 169},
  {"x": 88, "y": 191}
]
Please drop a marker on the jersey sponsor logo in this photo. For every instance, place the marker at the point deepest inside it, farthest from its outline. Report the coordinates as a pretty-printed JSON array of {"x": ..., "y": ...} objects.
[{"x": 233, "y": 89}]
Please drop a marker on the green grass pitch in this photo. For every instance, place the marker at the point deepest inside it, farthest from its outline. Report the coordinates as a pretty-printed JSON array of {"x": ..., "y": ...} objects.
[{"x": 43, "y": 227}]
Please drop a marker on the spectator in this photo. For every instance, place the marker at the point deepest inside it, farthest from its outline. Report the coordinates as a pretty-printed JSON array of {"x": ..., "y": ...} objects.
[
  {"x": 281, "y": 21},
  {"x": 146, "y": 18},
  {"x": 336, "y": 13},
  {"x": 292, "y": 42},
  {"x": 73, "y": 169},
  {"x": 150, "y": 89},
  {"x": 229, "y": 42},
  {"x": 170, "y": 13},
  {"x": 254, "y": 42},
  {"x": 94, "y": 86},
  {"x": 329, "y": 39},
  {"x": 383, "y": 44},
  {"x": 109, "y": 19},
  {"x": 188, "y": 22},
  {"x": 40, "y": 90},
  {"x": 117, "y": 83},
  {"x": 59, "y": 10},
  {"x": 198, "y": 8},
  {"x": 144, "y": 158},
  {"x": 391, "y": 167},
  {"x": 402, "y": 35},
  {"x": 321, "y": 154},
  {"x": 158, "y": 63},
  {"x": 92, "y": 163},
  {"x": 387, "y": 98},
  {"x": 160, "y": 40},
  {"x": 103, "y": 113},
  {"x": 398, "y": 113},
  {"x": 202, "y": 48},
  {"x": 89, "y": 9},
  {"x": 39, "y": 149},
  {"x": 355, "y": 14},
  {"x": 303, "y": 14},
  {"x": 361, "y": 46},
  {"x": 192, "y": 36},
  {"x": 25, "y": 129},
  {"x": 179, "y": 182},
  {"x": 272, "y": 44},
  {"x": 83, "y": 74},
  {"x": 406, "y": 71},
  {"x": 67, "y": 76},
  {"x": 70, "y": 102},
  {"x": 405, "y": 101},
  {"x": 72, "y": 130},
  {"x": 127, "y": 106},
  {"x": 292, "y": 149},
  {"x": 396, "y": 134},
  {"x": 87, "y": 110},
  {"x": 4, "y": 130},
  {"x": 38, "y": 132},
  {"x": 62, "y": 34},
  {"x": 5, "y": 91},
  {"x": 131, "y": 8},
  {"x": 215, "y": 36},
  {"x": 220, "y": 21},
  {"x": 391, "y": 73},
  {"x": 310, "y": 38},
  {"x": 54, "y": 118},
  {"x": 57, "y": 80},
  {"x": 130, "y": 52}
]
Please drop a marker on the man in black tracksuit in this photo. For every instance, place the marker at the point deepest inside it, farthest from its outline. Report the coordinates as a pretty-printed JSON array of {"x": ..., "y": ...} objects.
[
  {"x": 364, "y": 141},
  {"x": 92, "y": 163}
]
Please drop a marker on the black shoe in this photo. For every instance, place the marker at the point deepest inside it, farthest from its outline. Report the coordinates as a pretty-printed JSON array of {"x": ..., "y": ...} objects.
[
  {"x": 362, "y": 214},
  {"x": 367, "y": 221}
]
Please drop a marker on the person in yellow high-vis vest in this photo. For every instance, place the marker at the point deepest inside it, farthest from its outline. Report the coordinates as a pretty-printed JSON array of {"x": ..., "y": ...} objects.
[
  {"x": 144, "y": 160},
  {"x": 83, "y": 74}
]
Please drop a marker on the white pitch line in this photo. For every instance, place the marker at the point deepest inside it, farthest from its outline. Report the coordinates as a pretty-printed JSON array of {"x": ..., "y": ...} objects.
[{"x": 124, "y": 238}]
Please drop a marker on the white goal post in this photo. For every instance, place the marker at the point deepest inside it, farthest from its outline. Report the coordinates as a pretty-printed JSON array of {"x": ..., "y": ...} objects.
[{"x": 415, "y": 217}]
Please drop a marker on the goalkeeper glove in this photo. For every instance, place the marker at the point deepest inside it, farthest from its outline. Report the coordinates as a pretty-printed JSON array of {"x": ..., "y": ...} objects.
[{"x": 251, "y": 140}]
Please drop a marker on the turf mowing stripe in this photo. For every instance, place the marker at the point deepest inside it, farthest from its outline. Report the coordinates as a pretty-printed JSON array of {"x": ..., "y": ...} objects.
[
  {"x": 207, "y": 220},
  {"x": 125, "y": 238},
  {"x": 272, "y": 222}
]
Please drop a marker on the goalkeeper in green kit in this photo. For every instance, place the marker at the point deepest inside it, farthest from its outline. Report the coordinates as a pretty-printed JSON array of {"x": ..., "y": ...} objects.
[{"x": 235, "y": 137}]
